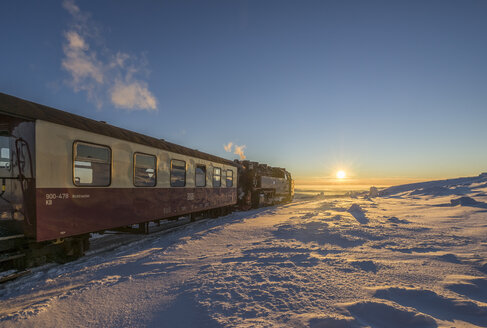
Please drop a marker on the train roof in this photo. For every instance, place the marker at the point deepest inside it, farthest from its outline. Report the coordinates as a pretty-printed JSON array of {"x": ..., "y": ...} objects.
[{"x": 21, "y": 108}]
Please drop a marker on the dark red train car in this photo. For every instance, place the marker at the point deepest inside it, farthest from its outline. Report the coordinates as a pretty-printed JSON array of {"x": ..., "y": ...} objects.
[{"x": 64, "y": 175}]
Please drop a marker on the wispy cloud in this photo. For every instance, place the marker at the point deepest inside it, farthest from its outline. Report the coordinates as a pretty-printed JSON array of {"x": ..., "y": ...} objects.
[
  {"x": 134, "y": 95},
  {"x": 85, "y": 69},
  {"x": 72, "y": 8},
  {"x": 237, "y": 150},
  {"x": 104, "y": 75}
]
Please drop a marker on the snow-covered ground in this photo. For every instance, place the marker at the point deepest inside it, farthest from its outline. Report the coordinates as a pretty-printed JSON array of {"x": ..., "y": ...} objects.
[{"x": 411, "y": 258}]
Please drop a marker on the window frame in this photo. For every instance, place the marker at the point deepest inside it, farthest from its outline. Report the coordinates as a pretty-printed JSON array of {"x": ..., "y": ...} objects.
[
  {"x": 226, "y": 179},
  {"x": 110, "y": 164},
  {"x": 213, "y": 177},
  {"x": 155, "y": 169},
  {"x": 6, "y": 161},
  {"x": 170, "y": 173},
  {"x": 195, "y": 181}
]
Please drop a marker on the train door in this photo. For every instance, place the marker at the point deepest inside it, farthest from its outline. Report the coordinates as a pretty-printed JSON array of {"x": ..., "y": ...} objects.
[
  {"x": 17, "y": 180},
  {"x": 8, "y": 200},
  {"x": 5, "y": 172}
]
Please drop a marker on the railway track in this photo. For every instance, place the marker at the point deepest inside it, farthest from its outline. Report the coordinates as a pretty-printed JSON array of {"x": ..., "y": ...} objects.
[{"x": 108, "y": 241}]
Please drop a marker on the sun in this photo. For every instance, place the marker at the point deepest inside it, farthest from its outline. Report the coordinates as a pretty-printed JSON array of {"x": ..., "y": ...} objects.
[{"x": 341, "y": 174}]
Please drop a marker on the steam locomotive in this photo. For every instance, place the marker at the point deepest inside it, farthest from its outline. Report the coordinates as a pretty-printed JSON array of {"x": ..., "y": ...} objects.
[{"x": 64, "y": 177}]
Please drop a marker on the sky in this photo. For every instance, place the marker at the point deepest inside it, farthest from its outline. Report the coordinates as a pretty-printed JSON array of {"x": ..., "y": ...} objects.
[{"x": 384, "y": 90}]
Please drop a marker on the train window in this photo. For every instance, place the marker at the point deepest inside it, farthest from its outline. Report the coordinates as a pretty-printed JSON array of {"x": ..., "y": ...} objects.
[
  {"x": 200, "y": 176},
  {"x": 178, "y": 173},
  {"x": 92, "y": 165},
  {"x": 217, "y": 182},
  {"x": 5, "y": 159},
  {"x": 229, "y": 178},
  {"x": 145, "y": 170}
]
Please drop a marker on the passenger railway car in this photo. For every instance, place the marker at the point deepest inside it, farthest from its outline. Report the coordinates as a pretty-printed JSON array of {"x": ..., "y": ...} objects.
[{"x": 64, "y": 176}]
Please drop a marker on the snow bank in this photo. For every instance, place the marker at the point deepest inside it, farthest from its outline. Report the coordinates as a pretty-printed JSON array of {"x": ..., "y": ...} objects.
[
  {"x": 467, "y": 201},
  {"x": 436, "y": 188},
  {"x": 388, "y": 315}
]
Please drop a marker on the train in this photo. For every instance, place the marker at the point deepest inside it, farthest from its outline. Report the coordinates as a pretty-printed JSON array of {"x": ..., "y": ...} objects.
[{"x": 65, "y": 177}]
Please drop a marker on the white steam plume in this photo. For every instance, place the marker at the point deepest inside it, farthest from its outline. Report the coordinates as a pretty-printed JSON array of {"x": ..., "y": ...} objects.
[
  {"x": 228, "y": 147},
  {"x": 239, "y": 150}
]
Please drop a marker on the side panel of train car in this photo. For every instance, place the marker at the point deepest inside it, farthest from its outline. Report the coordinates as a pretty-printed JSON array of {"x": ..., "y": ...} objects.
[
  {"x": 89, "y": 182},
  {"x": 280, "y": 185}
]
